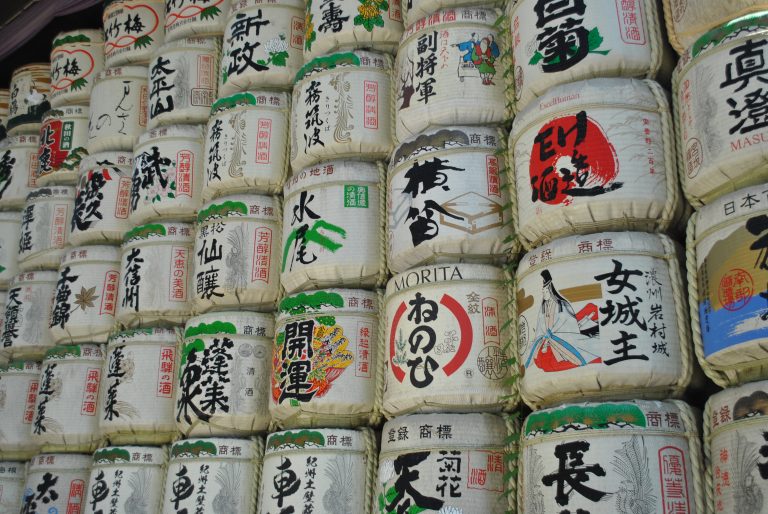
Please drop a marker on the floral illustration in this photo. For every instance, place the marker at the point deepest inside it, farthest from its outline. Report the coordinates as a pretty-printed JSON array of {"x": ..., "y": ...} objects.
[
  {"x": 309, "y": 35},
  {"x": 277, "y": 49},
  {"x": 86, "y": 297},
  {"x": 370, "y": 14}
]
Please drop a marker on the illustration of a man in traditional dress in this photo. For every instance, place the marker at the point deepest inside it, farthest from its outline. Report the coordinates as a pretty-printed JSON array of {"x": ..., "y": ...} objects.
[
  {"x": 484, "y": 56},
  {"x": 561, "y": 333}
]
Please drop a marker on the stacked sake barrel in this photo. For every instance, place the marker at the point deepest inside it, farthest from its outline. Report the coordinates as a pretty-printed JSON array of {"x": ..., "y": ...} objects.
[{"x": 603, "y": 335}]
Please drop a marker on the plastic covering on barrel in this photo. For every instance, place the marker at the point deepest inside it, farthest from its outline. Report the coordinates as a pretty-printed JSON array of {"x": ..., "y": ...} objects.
[
  {"x": 342, "y": 109},
  {"x": 448, "y": 199},
  {"x": 63, "y": 138},
  {"x": 19, "y": 384},
  {"x": 446, "y": 340},
  {"x": 323, "y": 471},
  {"x": 77, "y": 57},
  {"x": 156, "y": 275},
  {"x": 237, "y": 252},
  {"x": 225, "y": 357},
  {"x": 118, "y": 112},
  {"x": 67, "y": 399},
  {"x": 45, "y": 223},
  {"x": 602, "y": 316},
  {"x": 18, "y": 170},
  {"x": 10, "y": 231},
  {"x": 30, "y": 98},
  {"x": 230, "y": 467},
  {"x": 136, "y": 404},
  {"x": 451, "y": 70},
  {"x": 726, "y": 280},
  {"x": 27, "y": 311},
  {"x": 326, "y": 361},
  {"x": 605, "y": 458},
  {"x": 56, "y": 482},
  {"x": 12, "y": 477},
  {"x": 333, "y": 227},
  {"x": 133, "y": 31},
  {"x": 247, "y": 144}
]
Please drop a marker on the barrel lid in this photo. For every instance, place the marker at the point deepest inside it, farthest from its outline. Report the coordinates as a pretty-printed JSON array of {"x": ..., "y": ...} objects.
[
  {"x": 606, "y": 418},
  {"x": 91, "y": 352},
  {"x": 21, "y": 367},
  {"x": 214, "y": 447},
  {"x": 275, "y": 99},
  {"x": 244, "y": 323},
  {"x": 736, "y": 404},
  {"x": 78, "y": 37},
  {"x": 244, "y": 206},
  {"x": 160, "y": 233},
  {"x": 11, "y": 216},
  {"x": 744, "y": 26},
  {"x": 34, "y": 277},
  {"x": 65, "y": 112},
  {"x": 73, "y": 462},
  {"x": 40, "y": 67},
  {"x": 87, "y": 254},
  {"x": 436, "y": 140},
  {"x": 123, "y": 72},
  {"x": 240, "y": 5},
  {"x": 423, "y": 431},
  {"x": 590, "y": 246},
  {"x": 328, "y": 172},
  {"x": 314, "y": 440},
  {"x": 170, "y": 131},
  {"x": 358, "y": 59},
  {"x": 327, "y": 302},
  {"x": 42, "y": 194},
  {"x": 210, "y": 44},
  {"x": 21, "y": 140},
  {"x": 146, "y": 455},
  {"x": 114, "y": 160},
  {"x": 731, "y": 207},
  {"x": 440, "y": 273},
  {"x": 622, "y": 93},
  {"x": 144, "y": 335}
]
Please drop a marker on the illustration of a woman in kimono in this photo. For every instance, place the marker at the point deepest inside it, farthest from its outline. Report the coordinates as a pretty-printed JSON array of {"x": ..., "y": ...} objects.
[{"x": 561, "y": 333}]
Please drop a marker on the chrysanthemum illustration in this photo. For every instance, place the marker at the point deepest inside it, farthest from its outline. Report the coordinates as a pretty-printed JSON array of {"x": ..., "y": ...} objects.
[{"x": 370, "y": 13}]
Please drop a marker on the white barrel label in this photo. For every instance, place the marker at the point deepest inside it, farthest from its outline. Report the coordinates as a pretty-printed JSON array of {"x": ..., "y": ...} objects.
[
  {"x": 133, "y": 30},
  {"x": 118, "y": 113},
  {"x": 125, "y": 480},
  {"x": 18, "y": 170},
  {"x": 76, "y": 59}
]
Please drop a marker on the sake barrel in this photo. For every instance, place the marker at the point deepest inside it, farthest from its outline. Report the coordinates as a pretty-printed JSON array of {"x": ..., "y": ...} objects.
[
  {"x": 342, "y": 109},
  {"x": 225, "y": 357},
  {"x": 5, "y": 98},
  {"x": 155, "y": 275},
  {"x": 30, "y": 97},
  {"x": 63, "y": 139},
  {"x": 726, "y": 279},
  {"x": 325, "y": 362},
  {"x": 183, "y": 79},
  {"x": 4, "y": 353},
  {"x": 229, "y": 467},
  {"x": 324, "y": 471},
  {"x": 18, "y": 170},
  {"x": 19, "y": 383},
  {"x": 45, "y": 224},
  {"x": 10, "y": 230},
  {"x": 350, "y": 24},
  {"x": 448, "y": 199},
  {"x": 616, "y": 329},
  {"x": 118, "y": 113},
  {"x": 126, "y": 479},
  {"x": 12, "y": 476},
  {"x": 86, "y": 295},
  {"x": 167, "y": 174},
  {"x": 247, "y": 144},
  {"x": 185, "y": 18},
  {"x": 133, "y": 31},
  {"x": 592, "y": 156},
  {"x": 445, "y": 349},
  {"x": 414, "y": 10},
  {"x": 562, "y": 43},
  {"x": 444, "y": 59},
  {"x": 77, "y": 57},
  {"x": 237, "y": 255},
  {"x": 66, "y": 406},
  {"x": 102, "y": 199},
  {"x": 618, "y": 455},
  {"x": 136, "y": 405},
  {"x": 56, "y": 483},
  {"x": 262, "y": 45},
  {"x": 27, "y": 310},
  {"x": 721, "y": 144},
  {"x": 342, "y": 202},
  {"x": 688, "y": 21},
  {"x": 443, "y": 463}
]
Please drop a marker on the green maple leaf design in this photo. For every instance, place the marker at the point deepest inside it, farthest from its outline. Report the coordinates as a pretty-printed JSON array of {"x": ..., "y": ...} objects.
[
  {"x": 78, "y": 84},
  {"x": 143, "y": 42},
  {"x": 210, "y": 13}
]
